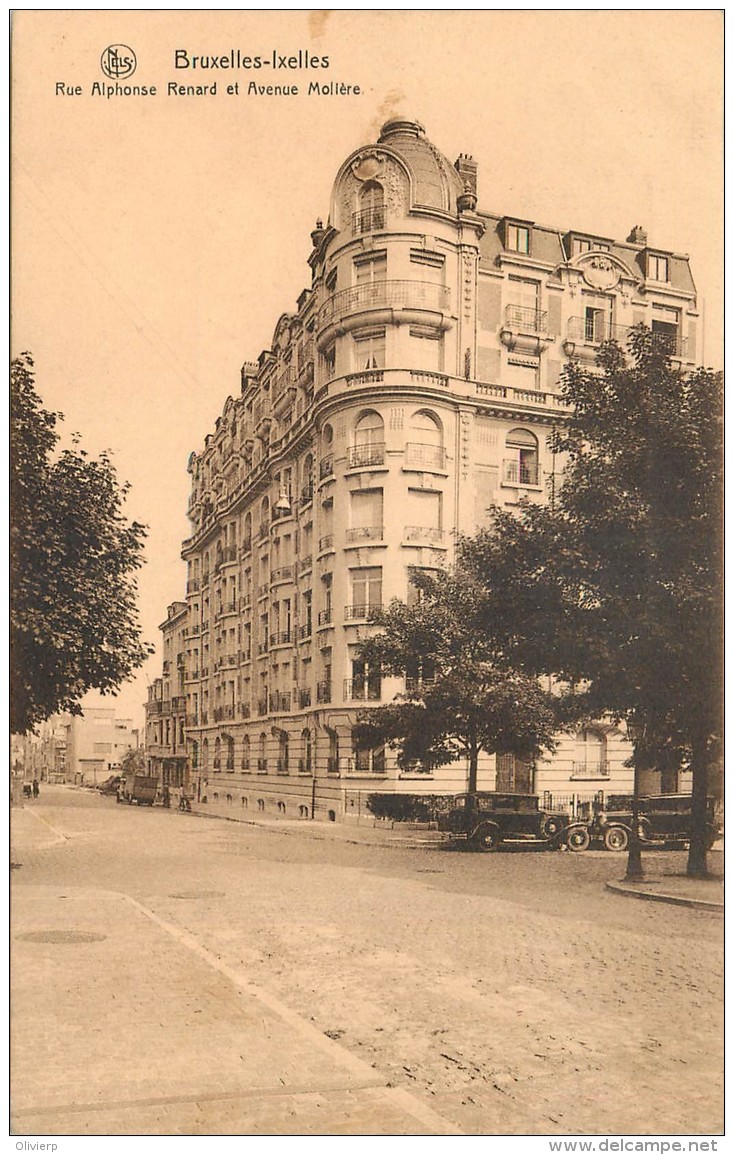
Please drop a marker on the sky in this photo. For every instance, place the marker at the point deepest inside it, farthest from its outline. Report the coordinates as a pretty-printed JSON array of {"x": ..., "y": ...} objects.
[{"x": 158, "y": 239}]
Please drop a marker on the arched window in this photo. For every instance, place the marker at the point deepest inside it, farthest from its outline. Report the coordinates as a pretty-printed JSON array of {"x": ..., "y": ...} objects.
[
  {"x": 371, "y": 213},
  {"x": 369, "y": 440},
  {"x": 205, "y": 754},
  {"x": 247, "y": 535},
  {"x": 424, "y": 446},
  {"x": 333, "y": 761},
  {"x": 307, "y": 479},
  {"x": 246, "y": 753},
  {"x": 218, "y": 754},
  {"x": 521, "y": 463},
  {"x": 283, "y": 752},
  {"x": 229, "y": 747},
  {"x": 591, "y": 754},
  {"x": 306, "y": 762},
  {"x": 262, "y": 762}
]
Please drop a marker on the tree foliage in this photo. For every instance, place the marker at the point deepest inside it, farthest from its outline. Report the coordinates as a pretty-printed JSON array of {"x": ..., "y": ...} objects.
[
  {"x": 617, "y": 586},
  {"x": 73, "y": 620},
  {"x": 462, "y": 694}
]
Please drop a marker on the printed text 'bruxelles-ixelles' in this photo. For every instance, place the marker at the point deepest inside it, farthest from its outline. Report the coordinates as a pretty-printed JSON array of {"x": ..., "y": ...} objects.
[{"x": 237, "y": 59}]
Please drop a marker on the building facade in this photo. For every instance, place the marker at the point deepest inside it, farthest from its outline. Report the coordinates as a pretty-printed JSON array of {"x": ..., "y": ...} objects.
[
  {"x": 96, "y": 742},
  {"x": 414, "y": 386},
  {"x": 165, "y": 710}
]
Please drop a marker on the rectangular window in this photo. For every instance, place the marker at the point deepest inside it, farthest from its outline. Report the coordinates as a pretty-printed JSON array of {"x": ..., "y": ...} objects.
[
  {"x": 598, "y": 320},
  {"x": 366, "y": 587},
  {"x": 369, "y": 351},
  {"x": 518, "y": 238},
  {"x": 423, "y": 515},
  {"x": 369, "y": 269},
  {"x": 657, "y": 268},
  {"x": 366, "y": 682},
  {"x": 366, "y": 514},
  {"x": 522, "y": 374},
  {"x": 665, "y": 324},
  {"x": 329, "y": 362},
  {"x": 426, "y": 349}
]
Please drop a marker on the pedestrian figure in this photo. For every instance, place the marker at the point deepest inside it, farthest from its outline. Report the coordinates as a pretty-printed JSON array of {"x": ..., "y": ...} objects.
[
  {"x": 166, "y": 796},
  {"x": 36, "y": 790}
]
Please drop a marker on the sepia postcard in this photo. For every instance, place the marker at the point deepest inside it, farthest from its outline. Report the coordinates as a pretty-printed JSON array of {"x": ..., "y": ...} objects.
[{"x": 305, "y": 287}]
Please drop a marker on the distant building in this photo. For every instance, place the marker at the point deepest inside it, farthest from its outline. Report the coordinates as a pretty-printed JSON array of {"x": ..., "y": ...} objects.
[
  {"x": 96, "y": 743},
  {"x": 165, "y": 710},
  {"x": 414, "y": 386}
]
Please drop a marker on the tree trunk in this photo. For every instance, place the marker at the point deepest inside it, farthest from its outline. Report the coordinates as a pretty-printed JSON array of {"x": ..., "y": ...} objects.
[
  {"x": 473, "y": 768},
  {"x": 635, "y": 872},
  {"x": 697, "y": 851}
]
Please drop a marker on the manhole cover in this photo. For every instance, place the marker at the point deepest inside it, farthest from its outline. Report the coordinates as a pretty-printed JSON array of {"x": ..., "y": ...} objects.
[
  {"x": 61, "y": 936},
  {"x": 198, "y": 894}
]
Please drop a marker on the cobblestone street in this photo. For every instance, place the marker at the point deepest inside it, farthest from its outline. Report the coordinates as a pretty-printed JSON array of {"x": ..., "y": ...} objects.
[{"x": 173, "y": 974}]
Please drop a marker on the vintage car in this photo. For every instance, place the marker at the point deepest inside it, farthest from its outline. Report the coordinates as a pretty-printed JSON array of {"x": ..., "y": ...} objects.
[
  {"x": 665, "y": 820},
  {"x": 487, "y": 819}
]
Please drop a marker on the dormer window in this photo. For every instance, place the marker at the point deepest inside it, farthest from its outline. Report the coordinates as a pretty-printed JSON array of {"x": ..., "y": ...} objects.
[
  {"x": 657, "y": 268},
  {"x": 517, "y": 238},
  {"x": 581, "y": 245}
]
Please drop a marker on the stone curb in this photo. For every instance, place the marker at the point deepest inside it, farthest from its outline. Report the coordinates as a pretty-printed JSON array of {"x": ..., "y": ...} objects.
[
  {"x": 281, "y": 828},
  {"x": 660, "y": 896}
]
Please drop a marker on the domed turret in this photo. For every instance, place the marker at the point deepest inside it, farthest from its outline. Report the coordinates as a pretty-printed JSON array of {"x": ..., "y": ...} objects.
[{"x": 436, "y": 183}]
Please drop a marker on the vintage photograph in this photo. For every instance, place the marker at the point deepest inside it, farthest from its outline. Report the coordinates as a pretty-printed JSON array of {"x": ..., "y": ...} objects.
[{"x": 366, "y": 571}]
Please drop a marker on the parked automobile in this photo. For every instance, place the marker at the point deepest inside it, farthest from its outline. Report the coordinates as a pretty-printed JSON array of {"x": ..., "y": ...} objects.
[
  {"x": 110, "y": 785},
  {"x": 487, "y": 819},
  {"x": 140, "y": 788},
  {"x": 665, "y": 820}
]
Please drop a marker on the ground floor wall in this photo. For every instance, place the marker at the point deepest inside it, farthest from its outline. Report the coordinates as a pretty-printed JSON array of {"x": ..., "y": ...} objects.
[{"x": 309, "y": 781}]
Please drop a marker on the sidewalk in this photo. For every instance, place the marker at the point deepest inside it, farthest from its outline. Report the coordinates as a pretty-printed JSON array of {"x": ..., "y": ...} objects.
[
  {"x": 373, "y": 831},
  {"x": 677, "y": 889},
  {"x": 124, "y": 1023}
]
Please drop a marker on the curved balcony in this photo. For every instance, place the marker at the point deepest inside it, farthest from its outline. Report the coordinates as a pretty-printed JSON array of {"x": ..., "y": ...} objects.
[{"x": 384, "y": 302}]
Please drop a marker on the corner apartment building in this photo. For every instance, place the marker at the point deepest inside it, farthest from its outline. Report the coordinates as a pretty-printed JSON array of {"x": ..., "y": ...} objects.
[{"x": 414, "y": 385}]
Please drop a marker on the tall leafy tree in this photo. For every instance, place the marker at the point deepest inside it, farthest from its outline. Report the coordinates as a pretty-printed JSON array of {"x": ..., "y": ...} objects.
[
  {"x": 616, "y": 588},
  {"x": 73, "y": 618},
  {"x": 462, "y": 697}
]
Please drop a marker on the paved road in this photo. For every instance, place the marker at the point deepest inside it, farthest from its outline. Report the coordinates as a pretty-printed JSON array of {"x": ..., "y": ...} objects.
[{"x": 174, "y": 974}]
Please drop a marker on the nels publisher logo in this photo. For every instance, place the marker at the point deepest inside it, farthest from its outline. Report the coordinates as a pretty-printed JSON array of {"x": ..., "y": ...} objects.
[{"x": 118, "y": 61}]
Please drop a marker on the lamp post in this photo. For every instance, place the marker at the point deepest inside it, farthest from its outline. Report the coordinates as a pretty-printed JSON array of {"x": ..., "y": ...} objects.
[{"x": 635, "y": 873}]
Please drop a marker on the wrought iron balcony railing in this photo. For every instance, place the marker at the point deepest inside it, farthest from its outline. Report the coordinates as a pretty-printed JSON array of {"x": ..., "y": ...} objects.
[
  {"x": 323, "y": 692},
  {"x": 362, "y": 689},
  {"x": 423, "y": 533},
  {"x": 424, "y": 456},
  {"x": 366, "y": 455},
  {"x": 361, "y": 612},
  {"x": 368, "y": 219},
  {"x": 596, "y": 769},
  {"x": 385, "y": 294},
  {"x": 365, "y": 533},
  {"x": 520, "y": 473},
  {"x": 530, "y": 320}
]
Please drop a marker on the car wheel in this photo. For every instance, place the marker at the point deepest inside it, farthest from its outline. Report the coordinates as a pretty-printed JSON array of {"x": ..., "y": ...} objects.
[
  {"x": 578, "y": 839},
  {"x": 486, "y": 838},
  {"x": 616, "y": 838},
  {"x": 551, "y": 826}
]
